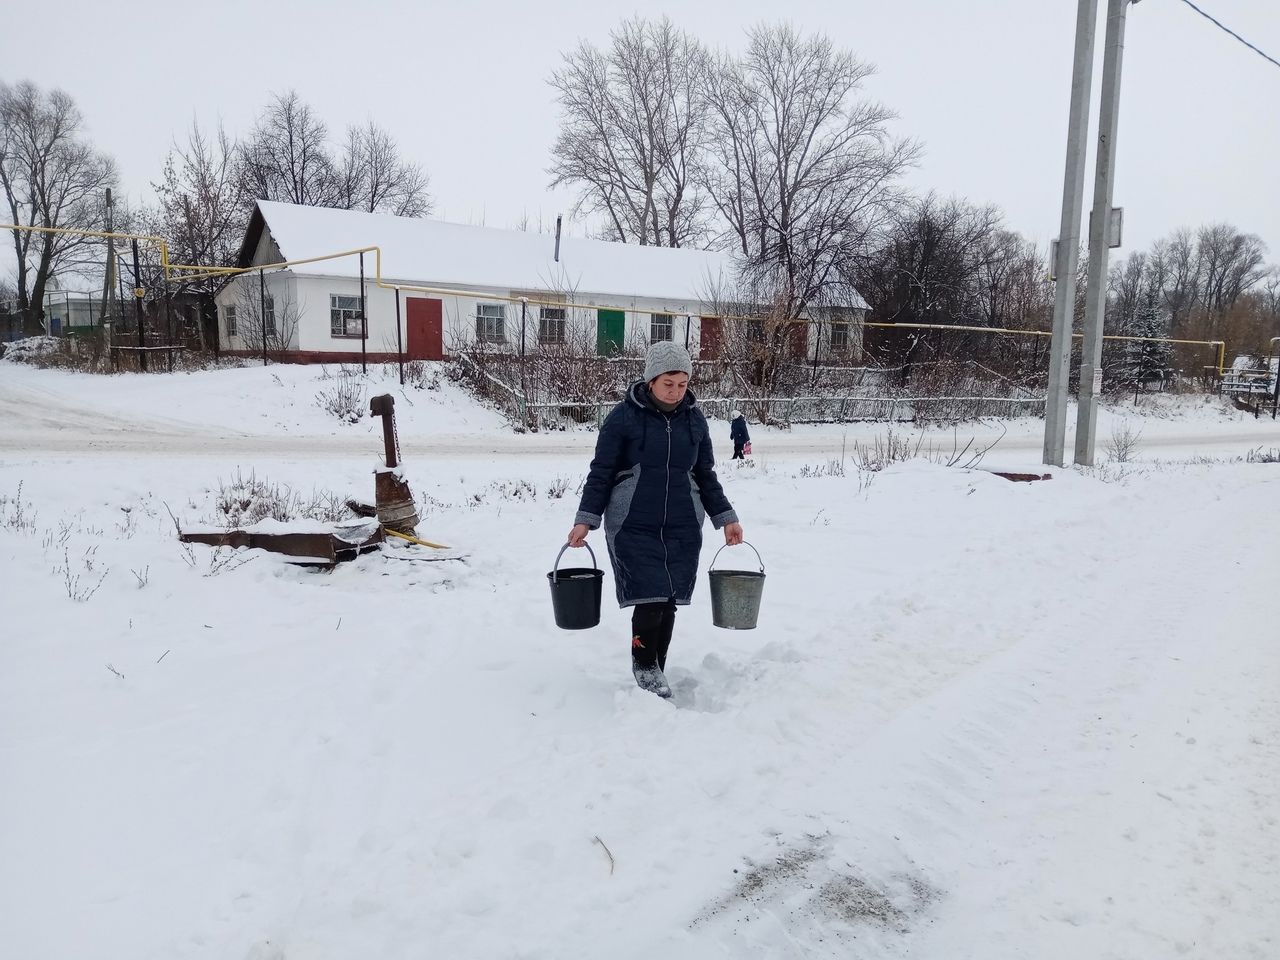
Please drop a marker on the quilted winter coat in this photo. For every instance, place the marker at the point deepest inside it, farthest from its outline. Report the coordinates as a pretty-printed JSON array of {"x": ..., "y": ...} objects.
[{"x": 652, "y": 483}]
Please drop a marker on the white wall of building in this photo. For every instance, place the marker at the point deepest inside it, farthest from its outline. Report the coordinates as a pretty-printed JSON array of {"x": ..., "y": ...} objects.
[
  {"x": 242, "y": 293},
  {"x": 311, "y": 299}
]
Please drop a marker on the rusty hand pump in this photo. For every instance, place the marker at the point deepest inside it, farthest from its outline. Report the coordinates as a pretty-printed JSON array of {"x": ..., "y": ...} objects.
[
  {"x": 384, "y": 407},
  {"x": 394, "y": 499}
]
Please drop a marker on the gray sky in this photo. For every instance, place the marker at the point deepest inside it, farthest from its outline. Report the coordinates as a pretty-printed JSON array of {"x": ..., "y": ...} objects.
[{"x": 984, "y": 85}]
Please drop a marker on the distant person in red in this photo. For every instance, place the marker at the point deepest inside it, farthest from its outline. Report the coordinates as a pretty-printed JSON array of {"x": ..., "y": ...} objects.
[{"x": 738, "y": 434}]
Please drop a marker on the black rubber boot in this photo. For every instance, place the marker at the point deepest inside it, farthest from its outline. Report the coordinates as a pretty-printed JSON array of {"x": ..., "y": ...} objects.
[
  {"x": 652, "y": 679},
  {"x": 649, "y": 638},
  {"x": 664, "y": 639}
]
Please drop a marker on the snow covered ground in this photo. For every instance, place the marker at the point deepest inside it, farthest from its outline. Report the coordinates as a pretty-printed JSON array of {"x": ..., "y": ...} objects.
[{"x": 978, "y": 719}]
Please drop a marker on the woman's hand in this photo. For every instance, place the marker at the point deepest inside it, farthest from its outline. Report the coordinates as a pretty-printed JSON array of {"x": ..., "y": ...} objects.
[
  {"x": 578, "y": 535},
  {"x": 732, "y": 534}
]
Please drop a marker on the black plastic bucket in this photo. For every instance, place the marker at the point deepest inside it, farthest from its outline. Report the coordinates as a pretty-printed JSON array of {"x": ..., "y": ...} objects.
[
  {"x": 735, "y": 595},
  {"x": 575, "y": 593}
]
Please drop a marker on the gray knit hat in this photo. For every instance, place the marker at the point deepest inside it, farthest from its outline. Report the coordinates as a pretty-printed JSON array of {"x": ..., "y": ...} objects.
[{"x": 666, "y": 357}]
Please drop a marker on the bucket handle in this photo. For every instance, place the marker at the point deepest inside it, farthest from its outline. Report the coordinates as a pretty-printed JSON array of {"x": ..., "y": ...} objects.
[
  {"x": 745, "y": 543},
  {"x": 556, "y": 568}
]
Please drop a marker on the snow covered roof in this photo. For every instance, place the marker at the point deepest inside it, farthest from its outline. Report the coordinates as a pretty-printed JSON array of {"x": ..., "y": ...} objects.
[
  {"x": 423, "y": 251},
  {"x": 430, "y": 252}
]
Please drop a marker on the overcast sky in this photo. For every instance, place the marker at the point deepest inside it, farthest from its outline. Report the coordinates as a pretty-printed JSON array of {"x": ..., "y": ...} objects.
[{"x": 984, "y": 85}]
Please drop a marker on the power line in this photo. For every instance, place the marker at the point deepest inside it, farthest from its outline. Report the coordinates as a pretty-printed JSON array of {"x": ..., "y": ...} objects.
[{"x": 1222, "y": 26}]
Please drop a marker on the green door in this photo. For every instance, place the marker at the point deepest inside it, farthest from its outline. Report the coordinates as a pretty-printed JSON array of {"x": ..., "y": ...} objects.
[{"x": 610, "y": 327}]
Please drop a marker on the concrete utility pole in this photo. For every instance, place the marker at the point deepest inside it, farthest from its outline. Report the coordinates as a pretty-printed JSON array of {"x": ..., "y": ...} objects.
[
  {"x": 108, "y": 280},
  {"x": 1055, "y": 407},
  {"x": 1099, "y": 235},
  {"x": 138, "y": 293}
]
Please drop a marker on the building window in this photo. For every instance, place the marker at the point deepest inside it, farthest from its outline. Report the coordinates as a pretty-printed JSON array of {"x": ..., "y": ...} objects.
[
  {"x": 839, "y": 337},
  {"x": 551, "y": 325},
  {"x": 229, "y": 312},
  {"x": 269, "y": 321},
  {"x": 344, "y": 316},
  {"x": 659, "y": 327},
  {"x": 491, "y": 322}
]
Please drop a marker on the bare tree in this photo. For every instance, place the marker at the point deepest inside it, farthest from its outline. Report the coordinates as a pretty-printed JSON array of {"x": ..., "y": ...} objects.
[
  {"x": 51, "y": 177},
  {"x": 1232, "y": 264},
  {"x": 286, "y": 156},
  {"x": 1270, "y": 296},
  {"x": 1126, "y": 286},
  {"x": 802, "y": 170},
  {"x": 1029, "y": 306},
  {"x": 1184, "y": 272},
  {"x": 631, "y": 132},
  {"x": 201, "y": 213},
  {"x": 1203, "y": 284},
  {"x": 759, "y": 341},
  {"x": 1009, "y": 275},
  {"x": 941, "y": 262},
  {"x": 372, "y": 177},
  {"x": 1156, "y": 280}
]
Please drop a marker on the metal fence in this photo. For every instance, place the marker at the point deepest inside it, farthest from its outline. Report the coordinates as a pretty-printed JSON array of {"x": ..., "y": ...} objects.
[
  {"x": 798, "y": 410},
  {"x": 527, "y": 395}
]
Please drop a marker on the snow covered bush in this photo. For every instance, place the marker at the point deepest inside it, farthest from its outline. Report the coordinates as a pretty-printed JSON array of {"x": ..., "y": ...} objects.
[
  {"x": 79, "y": 589},
  {"x": 517, "y": 491},
  {"x": 1255, "y": 456},
  {"x": 345, "y": 399},
  {"x": 244, "y": 501},
  {"x": 31, "y": 349},
  {"x": 890, "y": 448},
  {"x": 885, "y": 450},
  {"x": 81, "y": 353},
  {"x": 86, "y": 353},
  {"x": 831, "y": 468},
  {"x": 421, "y": 375},
  {"x": 500, "y": 491},
  {"x": 559, "y": 487},
  {"x": 1124, "y": 441},
  {"x": 16, "y": 514}
]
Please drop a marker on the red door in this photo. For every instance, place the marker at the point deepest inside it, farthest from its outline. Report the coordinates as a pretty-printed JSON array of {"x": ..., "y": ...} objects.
[
  {"x": 711, "y": 339},
  {"x": 425, "y": 323}
]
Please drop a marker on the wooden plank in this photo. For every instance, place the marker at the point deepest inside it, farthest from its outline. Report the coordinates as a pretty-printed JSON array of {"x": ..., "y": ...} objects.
[{"x": 319, "y": 548}]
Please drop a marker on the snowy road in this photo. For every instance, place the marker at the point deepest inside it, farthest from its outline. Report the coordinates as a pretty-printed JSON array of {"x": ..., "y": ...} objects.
[{"x": 46, "y": 412}]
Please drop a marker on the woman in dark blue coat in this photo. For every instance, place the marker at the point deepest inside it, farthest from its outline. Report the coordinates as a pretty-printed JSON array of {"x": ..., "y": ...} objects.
[{"x": 652, "y": 483}]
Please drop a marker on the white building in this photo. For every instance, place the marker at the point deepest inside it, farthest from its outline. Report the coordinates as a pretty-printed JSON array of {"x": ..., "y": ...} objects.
[{"x": 471, "y": 281}]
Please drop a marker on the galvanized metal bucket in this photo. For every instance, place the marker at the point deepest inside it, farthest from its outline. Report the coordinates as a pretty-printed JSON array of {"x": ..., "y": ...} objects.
[
  {"x": 575, "y": 593},
  {"x": 735, "y": 594}
]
